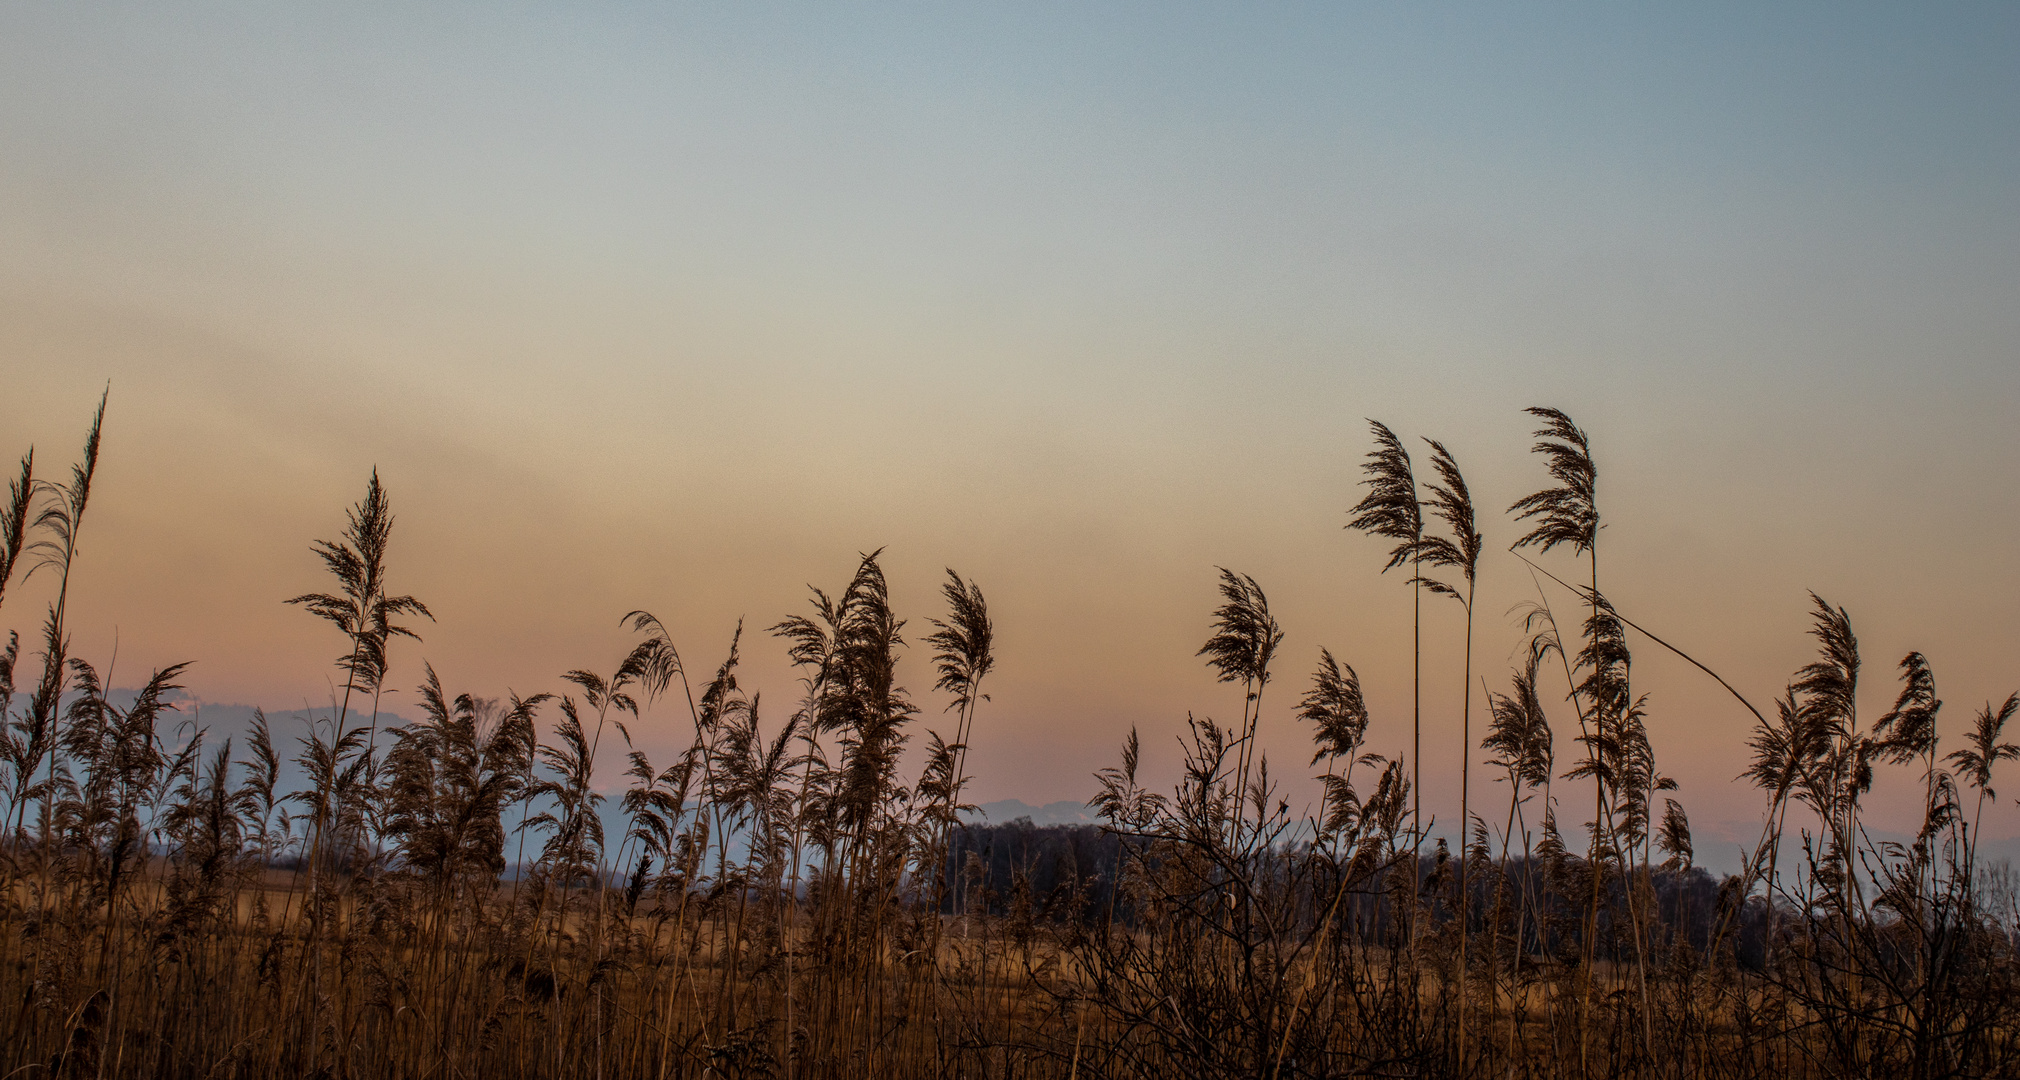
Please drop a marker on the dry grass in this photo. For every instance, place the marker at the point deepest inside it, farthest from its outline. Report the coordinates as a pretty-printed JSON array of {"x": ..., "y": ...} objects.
[{"x": 441, "y": 899}]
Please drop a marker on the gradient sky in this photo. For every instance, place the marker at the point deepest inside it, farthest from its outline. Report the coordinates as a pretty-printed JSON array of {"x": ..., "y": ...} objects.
[{"x": 635, "y": 306}]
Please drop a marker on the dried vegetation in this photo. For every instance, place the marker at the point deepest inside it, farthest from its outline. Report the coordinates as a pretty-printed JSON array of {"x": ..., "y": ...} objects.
[{"x": 452, "y": 897}]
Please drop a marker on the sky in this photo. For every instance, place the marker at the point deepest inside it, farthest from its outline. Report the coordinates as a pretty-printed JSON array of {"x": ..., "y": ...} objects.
[{"x": 682, "y": 308}]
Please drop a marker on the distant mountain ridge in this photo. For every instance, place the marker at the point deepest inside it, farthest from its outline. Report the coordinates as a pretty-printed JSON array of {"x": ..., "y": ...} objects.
[{"x": 1064, "y": 812}]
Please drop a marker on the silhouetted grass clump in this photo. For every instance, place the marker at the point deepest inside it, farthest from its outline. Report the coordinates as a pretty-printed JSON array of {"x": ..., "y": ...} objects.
[{"x": 468, "y": 895}]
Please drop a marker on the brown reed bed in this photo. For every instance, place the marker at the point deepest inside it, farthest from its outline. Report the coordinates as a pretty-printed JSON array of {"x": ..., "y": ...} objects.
[{"x": 452, "y": 897}]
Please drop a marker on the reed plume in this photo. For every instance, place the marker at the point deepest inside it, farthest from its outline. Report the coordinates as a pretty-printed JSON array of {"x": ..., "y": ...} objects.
[
  {"x": 1567, "y": 513},
  {"x": 1827, "y": 699},
  {"x": 1392, "y": 510},
  {"x": 1245, "y": 639},
  {"x": 14, "y": 519},
  {"x": 362, "y": 610},
  {"x": 1982, "y": 751},
  {"x": 965, "y": 653},
  {"x": 1338, "y": 713}
]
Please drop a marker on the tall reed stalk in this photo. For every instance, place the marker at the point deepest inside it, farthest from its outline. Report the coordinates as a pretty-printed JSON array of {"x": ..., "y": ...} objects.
[{"x": 1453, "y": 504}]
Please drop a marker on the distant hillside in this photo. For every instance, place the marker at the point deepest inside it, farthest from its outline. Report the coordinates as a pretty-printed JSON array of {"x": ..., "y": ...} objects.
[{"x": 1064, "y": 812}]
